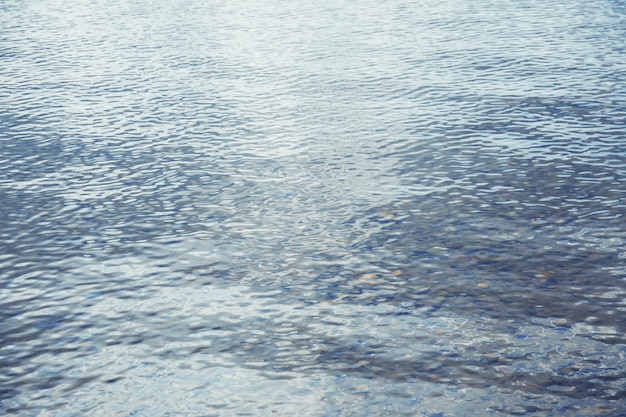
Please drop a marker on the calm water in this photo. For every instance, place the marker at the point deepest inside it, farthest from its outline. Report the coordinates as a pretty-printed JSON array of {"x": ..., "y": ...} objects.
[{"x": 296, "y": 208}]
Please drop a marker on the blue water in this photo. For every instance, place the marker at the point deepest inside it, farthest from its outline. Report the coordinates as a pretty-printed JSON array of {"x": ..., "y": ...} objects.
[{"x": 330, "y": 208}]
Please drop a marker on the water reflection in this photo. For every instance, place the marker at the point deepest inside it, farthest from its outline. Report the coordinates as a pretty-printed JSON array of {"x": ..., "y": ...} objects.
[{"x": 324, "y": 209}]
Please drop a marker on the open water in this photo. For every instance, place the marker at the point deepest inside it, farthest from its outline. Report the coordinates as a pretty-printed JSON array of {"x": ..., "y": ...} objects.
[{"x": 312, "y": 208}]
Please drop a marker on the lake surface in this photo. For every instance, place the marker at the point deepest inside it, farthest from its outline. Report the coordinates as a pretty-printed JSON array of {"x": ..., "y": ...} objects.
[{"x": 328, "y": 208}]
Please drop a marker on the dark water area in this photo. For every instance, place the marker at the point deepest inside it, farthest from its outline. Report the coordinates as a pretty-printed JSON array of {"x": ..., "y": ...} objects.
[{"x": 331, "y": 208}]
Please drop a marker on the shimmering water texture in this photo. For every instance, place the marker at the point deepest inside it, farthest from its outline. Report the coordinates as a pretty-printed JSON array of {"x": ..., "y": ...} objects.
[{"x": 312, "y": 208}]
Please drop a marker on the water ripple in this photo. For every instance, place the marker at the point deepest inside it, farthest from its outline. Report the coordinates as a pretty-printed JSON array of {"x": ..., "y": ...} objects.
[{"x": 329, "y": 208}]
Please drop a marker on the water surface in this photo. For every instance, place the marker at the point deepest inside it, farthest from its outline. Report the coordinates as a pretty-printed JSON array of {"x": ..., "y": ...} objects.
[{"x": 354, "y": 208}]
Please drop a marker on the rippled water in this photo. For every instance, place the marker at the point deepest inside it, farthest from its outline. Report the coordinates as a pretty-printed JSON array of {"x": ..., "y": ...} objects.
[{"x": 330, "y": 208}]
